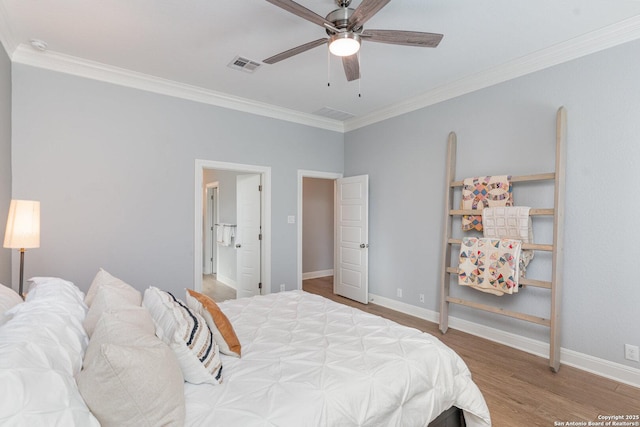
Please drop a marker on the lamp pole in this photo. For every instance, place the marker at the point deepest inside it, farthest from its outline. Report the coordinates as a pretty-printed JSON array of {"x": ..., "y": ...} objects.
[{"x": 21, "y": 272}]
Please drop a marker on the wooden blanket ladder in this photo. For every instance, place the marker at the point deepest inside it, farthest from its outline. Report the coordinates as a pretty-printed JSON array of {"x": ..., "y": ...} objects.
[{"x": 556, "y": 247}]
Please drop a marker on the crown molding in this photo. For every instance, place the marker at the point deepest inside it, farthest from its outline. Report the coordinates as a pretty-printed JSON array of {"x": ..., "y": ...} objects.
[
  {"x": 595, "y": 41},
  {"x": 67, "y": 64}
]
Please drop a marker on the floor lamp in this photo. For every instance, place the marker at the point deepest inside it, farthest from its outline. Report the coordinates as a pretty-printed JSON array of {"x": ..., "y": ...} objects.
[{"x": 23, "y": 230}]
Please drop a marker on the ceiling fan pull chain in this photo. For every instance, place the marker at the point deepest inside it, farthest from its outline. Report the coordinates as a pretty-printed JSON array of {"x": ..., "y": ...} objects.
[
  {"x": 360, "y": 79},
  {"x": 328, "y": 68}
]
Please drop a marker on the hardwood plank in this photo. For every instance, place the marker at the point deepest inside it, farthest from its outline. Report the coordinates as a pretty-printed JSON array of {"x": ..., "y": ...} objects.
[{"x": 519, "y": 387}]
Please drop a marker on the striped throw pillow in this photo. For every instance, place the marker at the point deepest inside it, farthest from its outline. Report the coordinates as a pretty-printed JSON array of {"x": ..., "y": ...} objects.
[
  {"x": 194, "y": 334},
  {"x": 188, "y": 335}
]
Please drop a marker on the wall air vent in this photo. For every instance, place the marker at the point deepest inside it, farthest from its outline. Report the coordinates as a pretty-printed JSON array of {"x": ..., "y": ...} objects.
[
  {"x": 333, "y": 114},
  {"x": 244, "y": 64}
]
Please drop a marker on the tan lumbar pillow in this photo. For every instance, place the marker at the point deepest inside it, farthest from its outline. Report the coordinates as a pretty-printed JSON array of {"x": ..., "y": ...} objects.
[{"x": 220, "y": 326}]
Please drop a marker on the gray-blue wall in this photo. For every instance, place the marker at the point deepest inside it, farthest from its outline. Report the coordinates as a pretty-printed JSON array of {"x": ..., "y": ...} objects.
[
  {"x": 5, "y": 160},
  {"x": 510, "y": 129},
  {"x": 113, "y": 168}
]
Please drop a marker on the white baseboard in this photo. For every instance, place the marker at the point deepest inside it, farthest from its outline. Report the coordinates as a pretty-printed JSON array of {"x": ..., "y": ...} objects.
[
  {"x": 227, "y": 281},
  {"x": 422, "y": 313},
  {"x": 585, "y": 362},
  {"x": 316, "y": 274}
]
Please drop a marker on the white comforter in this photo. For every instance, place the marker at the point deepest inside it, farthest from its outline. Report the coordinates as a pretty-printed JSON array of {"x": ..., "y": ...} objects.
[
  {"x": 41, "y": 350},
  {"x": 308, "y": 361}
]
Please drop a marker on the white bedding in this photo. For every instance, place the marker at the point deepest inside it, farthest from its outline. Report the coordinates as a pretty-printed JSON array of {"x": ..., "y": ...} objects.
[
  {"x": 41, "y": 350},
  {"x": 308, "y": 361}
]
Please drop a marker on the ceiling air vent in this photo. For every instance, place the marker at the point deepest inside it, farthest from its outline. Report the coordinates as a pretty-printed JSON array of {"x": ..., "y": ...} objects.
[
  {"x": 244, "y": 64},
  {"x": 333, "y": 114}
]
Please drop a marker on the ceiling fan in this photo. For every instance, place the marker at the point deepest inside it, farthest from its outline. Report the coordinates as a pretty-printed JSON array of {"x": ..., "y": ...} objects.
[{"x": 345, "y": 31}]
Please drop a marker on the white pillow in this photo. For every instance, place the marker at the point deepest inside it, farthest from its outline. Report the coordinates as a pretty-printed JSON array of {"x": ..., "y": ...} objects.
[
  {"x": 136, "y": 318},
  {"x": 42, "y": 397},
  {"x": 8, "y": 299},
  {"x": 56, "y": 288},
  {"x": 53, "y": 313},
  {"x": 188, "y": 336},
  {"x": 131, "y": 378},
  {"x": 41, "y": 351},
  {"x": 103, "y": 278},
  {"x": 109, "y": 298}
]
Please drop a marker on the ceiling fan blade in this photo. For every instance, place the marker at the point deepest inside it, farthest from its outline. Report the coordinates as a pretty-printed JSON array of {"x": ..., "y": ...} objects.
[
  {"x": 351, "y": 66},
  {"x": 364, "y": 12},
  {"x": 407, "y": 38},
  {"x": 301, "y": 11},
  {"x": 296, "y": 50}
]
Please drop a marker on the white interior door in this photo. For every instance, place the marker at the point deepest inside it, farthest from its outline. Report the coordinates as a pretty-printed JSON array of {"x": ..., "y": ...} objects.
[
  {"x": 351, "y": 275},
  {"x": 248, "y": 239}
]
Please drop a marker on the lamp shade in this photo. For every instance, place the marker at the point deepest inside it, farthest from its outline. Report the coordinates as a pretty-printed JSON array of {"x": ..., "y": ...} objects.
[{"x": 23, "y": 225}]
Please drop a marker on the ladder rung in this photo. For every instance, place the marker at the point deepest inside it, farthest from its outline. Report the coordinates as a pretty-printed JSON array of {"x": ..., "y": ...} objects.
[
  {"x": 535, "y": 283},
  {"x": 523, "y": 280},
  {"x": 522, "y": 316},
  {"x": 522, "y": 178},
  {"x": 532, "y": 212},
  {"x": 533, "y": 246}
]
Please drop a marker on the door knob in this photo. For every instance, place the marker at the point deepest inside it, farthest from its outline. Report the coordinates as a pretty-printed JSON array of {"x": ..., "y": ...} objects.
[
  {"x": 238, "y": 245},
  {"x": 363, "y": 245}
]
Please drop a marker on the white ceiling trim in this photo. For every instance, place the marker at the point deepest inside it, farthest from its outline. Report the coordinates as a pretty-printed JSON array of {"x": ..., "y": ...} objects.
[
  {"x": 595, "y": 41},
  {"x": 610, "y": 36},
  {"x": 54, "y": 61}
]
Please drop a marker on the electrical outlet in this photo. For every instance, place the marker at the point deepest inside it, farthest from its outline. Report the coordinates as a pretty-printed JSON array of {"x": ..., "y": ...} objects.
[
  {"x": 399, "y": 293},
  {"x": 282, "y": 287},
  {"x": 421, "y": 297},
  {"x": 631, "y": 352}
]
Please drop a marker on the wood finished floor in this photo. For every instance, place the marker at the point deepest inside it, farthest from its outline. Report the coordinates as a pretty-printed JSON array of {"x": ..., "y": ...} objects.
[
  {"x": 519, "y": 388},
  {"x": 217, "y": 290}
]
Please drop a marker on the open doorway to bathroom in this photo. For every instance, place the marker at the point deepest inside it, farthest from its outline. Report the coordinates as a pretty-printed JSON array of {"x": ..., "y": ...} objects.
[{"x": 232, "y": 229}]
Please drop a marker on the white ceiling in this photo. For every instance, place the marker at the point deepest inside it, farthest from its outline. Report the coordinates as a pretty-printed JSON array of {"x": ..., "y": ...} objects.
[{"x": 190, "y": 43}]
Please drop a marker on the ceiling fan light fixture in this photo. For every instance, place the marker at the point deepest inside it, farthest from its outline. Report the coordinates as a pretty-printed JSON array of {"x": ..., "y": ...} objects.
[{"x": 344, "y": 44}]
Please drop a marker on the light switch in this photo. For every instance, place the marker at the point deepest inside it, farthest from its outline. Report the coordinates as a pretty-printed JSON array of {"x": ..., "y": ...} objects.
[{"x": 291, "y": 219}]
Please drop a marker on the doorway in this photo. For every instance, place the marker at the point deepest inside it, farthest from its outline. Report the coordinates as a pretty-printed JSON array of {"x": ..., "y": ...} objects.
[
  {"x": 319, "y": 271},
  {"x": 262, "y": 265},
  {"x": 350, "y": 230}
]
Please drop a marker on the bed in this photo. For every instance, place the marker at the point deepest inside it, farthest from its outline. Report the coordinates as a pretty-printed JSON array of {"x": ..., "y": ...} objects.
[{"x": 306, "y": 361}]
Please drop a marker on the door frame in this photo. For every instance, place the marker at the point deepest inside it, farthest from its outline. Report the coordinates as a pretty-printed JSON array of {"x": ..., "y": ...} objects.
[
  {"x": 302, "y": 173},
  {"x": 209, "y": 229},
  {"x": 265, "y": 172}
]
